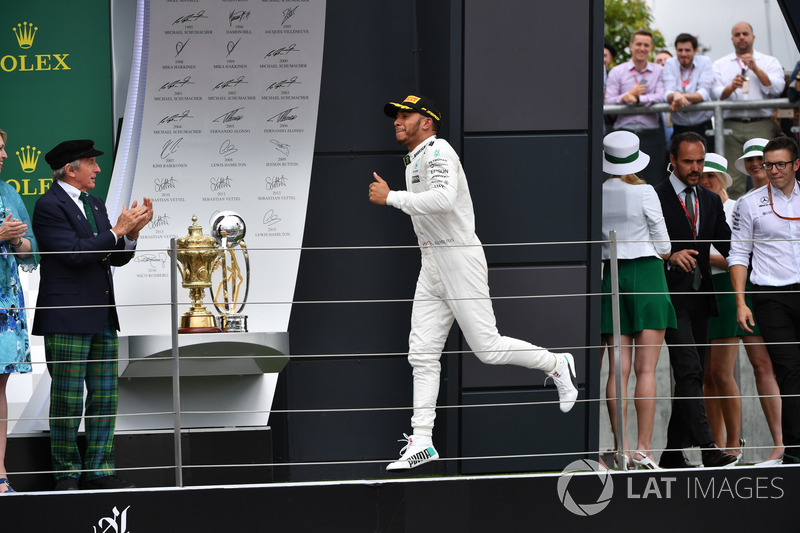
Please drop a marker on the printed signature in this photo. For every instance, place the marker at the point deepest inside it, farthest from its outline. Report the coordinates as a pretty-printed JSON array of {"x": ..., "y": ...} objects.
[
  {"x": 163, "y": 184},
  {"x": 283, "y": 116},
  {"x": 238, "y": 16},
  {"x": 231, "y": 45},
  {"x": 177, "y": 83},
  {"x": 154, "y": 260},
  {"x": 270, "y": 218},
  {"x": 282, "y": 51},
  {"x": 227, "y": 148},
  {"x": 230, "y": 116},
  {"x": 288, "y": 13},
  {"x": 190, "y": 18},
  {"x": 179, "y": 46},
  {"x": 170, "y": 147},
  {"x": 177, "y": 117},
  {"x": 281, "y": 147},
  {"x": 283, "y": 83},
  {"x": 221, "y": 183},
  {"x": 275, "y": 182},
  {"x": 230, "y": 83},
  {"x": 159, "y": 221}
]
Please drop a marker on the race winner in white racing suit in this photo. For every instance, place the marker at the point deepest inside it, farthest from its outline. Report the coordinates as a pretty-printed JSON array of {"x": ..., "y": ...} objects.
[{"x": 453, "y": 280}]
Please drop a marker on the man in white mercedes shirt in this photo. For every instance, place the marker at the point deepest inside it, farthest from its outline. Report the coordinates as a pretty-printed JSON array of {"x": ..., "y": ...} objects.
[
  {"x": 766, "y": 223},
  {"x": 453, "y": 280}
]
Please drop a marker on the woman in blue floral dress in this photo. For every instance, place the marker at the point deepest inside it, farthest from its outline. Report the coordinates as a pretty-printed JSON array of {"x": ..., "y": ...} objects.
[{"x": 17, "y": 248}]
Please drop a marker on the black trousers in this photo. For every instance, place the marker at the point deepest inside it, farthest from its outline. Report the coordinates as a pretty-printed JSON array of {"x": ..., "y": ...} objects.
[
  {"x": 688, "y": 425},
  {"x": 778, "y": 317}
]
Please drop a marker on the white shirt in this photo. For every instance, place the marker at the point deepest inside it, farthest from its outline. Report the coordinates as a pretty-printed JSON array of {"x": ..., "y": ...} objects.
[
  {"x": 756, "y": 229},
  {"x": 726, "y": 68},
  {"x": 699, "y": 78},
  {"x": 634, "y": 212},
  {"x": 680, "y": 191},
  {"x": 73, "y": 193}
]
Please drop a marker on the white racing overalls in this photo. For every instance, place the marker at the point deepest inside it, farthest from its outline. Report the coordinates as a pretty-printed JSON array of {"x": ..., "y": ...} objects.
[{"x": 453, "y": 280}]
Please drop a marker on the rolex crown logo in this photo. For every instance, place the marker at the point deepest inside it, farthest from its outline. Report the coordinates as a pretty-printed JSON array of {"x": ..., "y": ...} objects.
[
  {"x": 25, "y": 33},
  {"x": 28, "y": 157}
]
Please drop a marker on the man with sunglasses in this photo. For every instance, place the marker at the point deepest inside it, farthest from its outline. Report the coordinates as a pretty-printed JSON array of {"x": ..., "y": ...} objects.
[{"x": 766, "y": 223}]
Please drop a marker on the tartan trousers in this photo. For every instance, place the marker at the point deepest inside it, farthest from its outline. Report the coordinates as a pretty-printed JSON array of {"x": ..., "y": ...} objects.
[{"x": 74, "y": 360}]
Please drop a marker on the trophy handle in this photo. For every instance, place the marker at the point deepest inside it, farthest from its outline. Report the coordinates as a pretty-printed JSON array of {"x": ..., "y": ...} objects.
[
  {"x": 223, "y": 284},
  {"x": 246, "y": 273}
]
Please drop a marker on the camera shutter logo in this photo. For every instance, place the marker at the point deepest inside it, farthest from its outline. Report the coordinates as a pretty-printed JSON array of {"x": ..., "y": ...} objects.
[{"x": 591, "y": 508}]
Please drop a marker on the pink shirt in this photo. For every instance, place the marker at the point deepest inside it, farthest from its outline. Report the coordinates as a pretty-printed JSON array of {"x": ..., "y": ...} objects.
[{"x": 621, "y": 79}]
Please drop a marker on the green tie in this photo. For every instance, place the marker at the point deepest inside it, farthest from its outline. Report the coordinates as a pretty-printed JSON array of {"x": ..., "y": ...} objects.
[{"x": 87, "y": 210}]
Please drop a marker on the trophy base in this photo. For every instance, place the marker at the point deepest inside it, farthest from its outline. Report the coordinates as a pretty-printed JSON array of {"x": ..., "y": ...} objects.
[
  {"x": 198, "y": 323},
  {"x": 233, "y": 323},
  {"x": 198, "y": 330}
]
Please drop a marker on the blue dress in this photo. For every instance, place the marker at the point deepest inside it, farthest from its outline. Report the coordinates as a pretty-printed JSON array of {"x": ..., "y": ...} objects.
[{"x": 15, "y": 352}]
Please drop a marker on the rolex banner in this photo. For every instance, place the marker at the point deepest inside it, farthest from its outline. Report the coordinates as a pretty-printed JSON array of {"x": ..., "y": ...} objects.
[
  {"x": 55, "y": 71},
  {"x": 221, "y": 116}
]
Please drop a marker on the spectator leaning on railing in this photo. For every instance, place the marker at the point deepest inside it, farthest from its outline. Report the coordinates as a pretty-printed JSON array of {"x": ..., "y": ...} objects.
[
  {"x": 688, "y": 79},
  {"x": 638, "y": 81},
  {"x": 745, "y": 75}
]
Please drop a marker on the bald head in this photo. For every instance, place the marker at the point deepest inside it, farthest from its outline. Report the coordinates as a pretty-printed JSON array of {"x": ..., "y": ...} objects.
[{"x": 742, "y": 38}]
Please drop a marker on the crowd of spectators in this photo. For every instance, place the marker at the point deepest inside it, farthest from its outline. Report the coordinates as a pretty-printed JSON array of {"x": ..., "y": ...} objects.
[
  {"x": 683, "y": 76},
  {"x": 741, "y": 208}
]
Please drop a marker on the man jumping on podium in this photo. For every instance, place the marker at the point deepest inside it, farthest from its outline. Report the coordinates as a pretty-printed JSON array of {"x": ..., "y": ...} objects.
[{"x": 453, "y": 280}]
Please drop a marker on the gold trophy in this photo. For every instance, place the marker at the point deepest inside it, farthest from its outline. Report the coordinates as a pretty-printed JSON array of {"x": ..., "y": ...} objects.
[
  {"x": 198, "y": 255},
  {"x": 228, "y": 230}
]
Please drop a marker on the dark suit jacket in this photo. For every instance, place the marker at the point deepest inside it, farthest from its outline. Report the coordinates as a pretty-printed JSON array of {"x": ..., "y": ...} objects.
[
  {"x": 713, "y": 227},
  {"x": 81, "y": 277}
]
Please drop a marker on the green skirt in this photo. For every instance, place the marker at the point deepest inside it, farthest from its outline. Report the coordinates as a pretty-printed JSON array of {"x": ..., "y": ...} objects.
[
  {"x": 638, "y": 311},
  {"x": 725, "y": 325}
]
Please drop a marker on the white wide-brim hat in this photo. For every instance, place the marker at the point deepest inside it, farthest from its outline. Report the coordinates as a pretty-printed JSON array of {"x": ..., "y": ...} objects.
[
  {"x": 752, "y": 148},
  {"x": 717, "y": 163},
  {"x": 621, "y": 154}
]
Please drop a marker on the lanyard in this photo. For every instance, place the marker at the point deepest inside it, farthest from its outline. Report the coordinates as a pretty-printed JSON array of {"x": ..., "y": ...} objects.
[
  {"x": 741, "y": 65},
  {"x": 691, "y": 219},
  {"x": 638, "y": 80},
  {"x": 685, "y": 82},
  {"x": 769, "y": 190}
]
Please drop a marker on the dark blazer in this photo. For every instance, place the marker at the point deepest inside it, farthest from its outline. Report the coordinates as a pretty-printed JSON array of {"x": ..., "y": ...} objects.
[
  {"x": 81, "y": 277},
  {"x": 713, "y": 227}
]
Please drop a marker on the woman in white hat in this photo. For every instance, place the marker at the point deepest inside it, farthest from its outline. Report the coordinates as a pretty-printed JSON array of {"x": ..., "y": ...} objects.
[
  {"x": 749, "y": 163},
  {"x": 724, "y": 414},
  {"x": 766, "y": 385},
  {"x": 631, "y": 208}
]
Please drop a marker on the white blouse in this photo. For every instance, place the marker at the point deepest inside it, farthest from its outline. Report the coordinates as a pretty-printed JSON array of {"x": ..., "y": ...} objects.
[{"x": 634, "y": 211}]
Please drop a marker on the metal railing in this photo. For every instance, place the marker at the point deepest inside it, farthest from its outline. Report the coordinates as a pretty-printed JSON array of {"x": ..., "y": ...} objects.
[
  {"x": 717, "y": 106},
  {"x": 177, "y": 408}
]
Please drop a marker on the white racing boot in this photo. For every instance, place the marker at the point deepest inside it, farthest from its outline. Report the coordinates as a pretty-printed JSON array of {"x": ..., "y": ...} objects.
[
  {"x": 418, "y": 450},
  {"x": 567, "y": 393}
]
